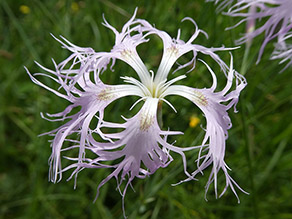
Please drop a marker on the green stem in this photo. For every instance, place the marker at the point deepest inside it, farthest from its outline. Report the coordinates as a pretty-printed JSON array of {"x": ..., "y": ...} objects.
[
  {"x": 245, "y": 65},
  {"x": 249, "y": 159},
  {"x": 247, "y": 145}
]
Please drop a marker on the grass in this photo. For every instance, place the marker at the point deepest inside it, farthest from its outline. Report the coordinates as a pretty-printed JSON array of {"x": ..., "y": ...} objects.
[{"x": 258, "y": 148}]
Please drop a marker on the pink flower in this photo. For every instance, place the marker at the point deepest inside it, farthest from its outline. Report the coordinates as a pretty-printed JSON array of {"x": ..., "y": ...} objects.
[
  {"x": 277, "y": 15},
  {"x": 141, "y": 142},
  {"x": 283, "y": 51}
]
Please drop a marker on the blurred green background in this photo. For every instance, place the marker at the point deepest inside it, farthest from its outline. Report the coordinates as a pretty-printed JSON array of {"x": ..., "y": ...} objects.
[{"x": 259, "y": 145}]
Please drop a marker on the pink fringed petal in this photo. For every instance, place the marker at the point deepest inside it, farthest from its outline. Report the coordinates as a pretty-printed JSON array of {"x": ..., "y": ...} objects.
[
  {"x": 218, "y": 123},
  {"x": 278, "y": 23},
  {"x": 142, "y": 145}
]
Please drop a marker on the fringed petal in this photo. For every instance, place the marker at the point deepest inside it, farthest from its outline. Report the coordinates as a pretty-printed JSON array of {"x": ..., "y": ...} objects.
[
  {"x": 93, "y": 99},
  {"x": 142, "y": 145},
  {"x": 218, "y": 123},
  {"x": 175, "y": 48},
  {"x": 277, "y": 14}
]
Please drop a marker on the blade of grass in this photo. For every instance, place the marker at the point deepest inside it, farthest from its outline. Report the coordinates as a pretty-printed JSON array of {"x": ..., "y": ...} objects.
[
  {"x": 28, "y": 131},
  {"x": 273, "y": 162}
]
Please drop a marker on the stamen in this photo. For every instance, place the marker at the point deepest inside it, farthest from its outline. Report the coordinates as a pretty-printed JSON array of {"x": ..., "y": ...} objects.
[
  {"x": 134, "y": 81},
  {"x": 159, "y": 88},
  {"x": 152, "y": 74},
  {"x": 175, "y": 80},
  {"x": 138, "y": 101},
  {"x": 167, "y": 84},
  {"x": 169, "y": 104}
]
